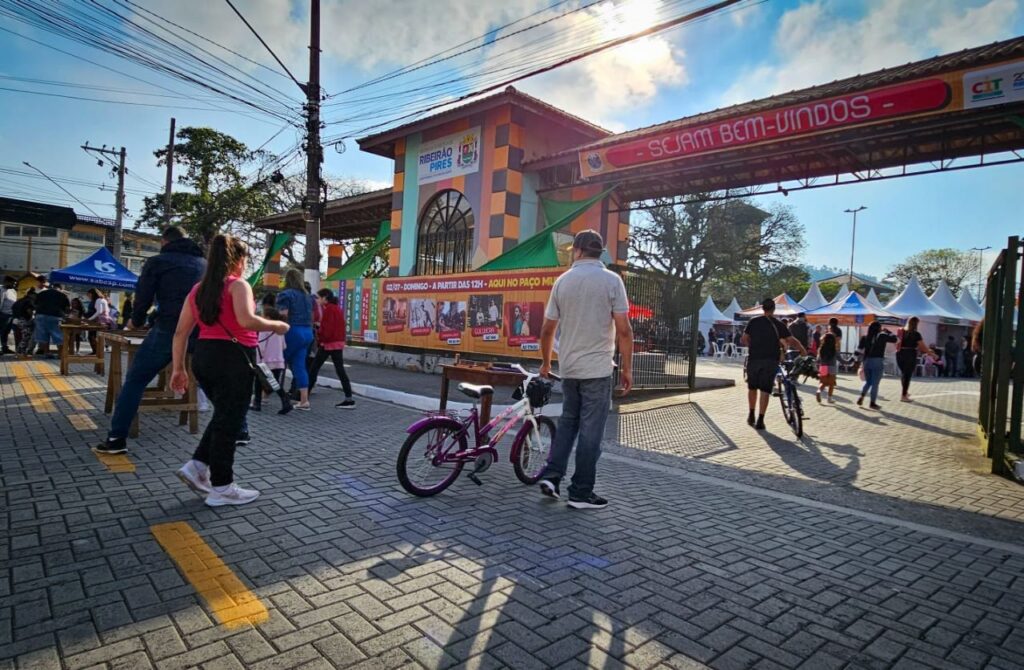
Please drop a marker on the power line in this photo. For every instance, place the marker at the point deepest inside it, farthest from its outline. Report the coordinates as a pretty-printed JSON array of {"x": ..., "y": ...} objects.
[
  {"x": 265, "y": 45},
  {"x": 61, "y": 188}
]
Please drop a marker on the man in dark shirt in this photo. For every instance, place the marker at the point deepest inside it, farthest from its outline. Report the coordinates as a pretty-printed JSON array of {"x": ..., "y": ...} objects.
[
  {"x": 166, "y": 279},
  {"x": 799, "y": 329},
  {"x": 52, "y": 305},
  {"x": 767, "y": 338}
]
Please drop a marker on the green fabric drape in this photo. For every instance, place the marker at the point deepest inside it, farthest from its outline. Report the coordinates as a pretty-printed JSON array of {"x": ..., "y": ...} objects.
[
  {"x": 356, "y": 266},
  {"x": 278, "y": 243},
  {"x": 539, "y": 250}
]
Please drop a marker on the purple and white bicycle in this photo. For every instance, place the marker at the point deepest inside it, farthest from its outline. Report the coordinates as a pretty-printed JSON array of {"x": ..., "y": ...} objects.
[{"x": 437, "y": 448}]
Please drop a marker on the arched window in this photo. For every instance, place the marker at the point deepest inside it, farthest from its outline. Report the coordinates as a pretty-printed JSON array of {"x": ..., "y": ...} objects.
[{"x": 445, "y": 242}]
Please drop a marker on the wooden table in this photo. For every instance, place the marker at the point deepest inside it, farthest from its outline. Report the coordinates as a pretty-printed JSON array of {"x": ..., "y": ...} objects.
[
  {"x": 154, "y": 399},
  {"x": 477, "y": 373},
  {"x": 67, "y": 356}
]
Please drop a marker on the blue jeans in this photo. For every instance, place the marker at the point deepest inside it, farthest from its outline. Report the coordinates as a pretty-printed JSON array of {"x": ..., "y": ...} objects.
[
  {"x": 873, "y": 368},
  {"x": 153, "y": 355},
  {"x": 296, "y": 348},
  {"x": 585, "y": 405},
  {"x": 48, "y": 329}
]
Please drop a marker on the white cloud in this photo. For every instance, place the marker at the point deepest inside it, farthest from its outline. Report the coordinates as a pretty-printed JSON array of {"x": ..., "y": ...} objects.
[{"x": 814, "y": 45}]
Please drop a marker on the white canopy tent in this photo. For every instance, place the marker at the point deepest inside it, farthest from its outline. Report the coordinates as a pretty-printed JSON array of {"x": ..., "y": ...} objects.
[
  {"x": 733, "y": 307},
  {"x": 710, "y": 315},
  {"x": 872, "y": 299},
  {"x": 813, "y": 299},
  {"x": 844, "y": 291},
  {"x": 943, "y": 297},
  {"x": 968, "y": 302},
  {"x": 913, "y": 302}
]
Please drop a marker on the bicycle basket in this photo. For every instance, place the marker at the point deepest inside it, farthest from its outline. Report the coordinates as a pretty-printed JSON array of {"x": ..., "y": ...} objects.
[{"x": 539, "y": 392}]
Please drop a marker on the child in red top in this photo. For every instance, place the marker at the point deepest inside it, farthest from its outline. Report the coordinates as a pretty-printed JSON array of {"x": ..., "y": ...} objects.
[{"x": 332, "y": 342}]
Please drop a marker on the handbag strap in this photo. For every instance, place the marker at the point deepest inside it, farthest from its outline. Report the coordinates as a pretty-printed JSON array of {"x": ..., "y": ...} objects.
[{"x": 244, "y": 350}]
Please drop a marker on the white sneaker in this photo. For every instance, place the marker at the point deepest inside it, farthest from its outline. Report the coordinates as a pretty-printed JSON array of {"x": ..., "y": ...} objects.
[
  {"x": 234, "y": 495},
  {"x": 195, "y": 479}
]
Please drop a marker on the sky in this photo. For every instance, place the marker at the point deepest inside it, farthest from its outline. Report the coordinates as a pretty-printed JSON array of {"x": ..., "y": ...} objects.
[{"x": 766, "y": 48}]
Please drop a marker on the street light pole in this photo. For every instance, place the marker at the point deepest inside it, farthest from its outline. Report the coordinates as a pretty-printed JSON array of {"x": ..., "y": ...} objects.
[{"x": 853, "y": 238}]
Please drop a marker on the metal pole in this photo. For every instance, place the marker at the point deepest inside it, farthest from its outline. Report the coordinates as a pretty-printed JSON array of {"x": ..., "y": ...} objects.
[
  {"x": 853, "y": 238},
  {"x": 314, "y": 153},
  {"x": 981, "y": 262},
  {"x": 119, "y": 215},
  {"x": 170, "y": 176}
]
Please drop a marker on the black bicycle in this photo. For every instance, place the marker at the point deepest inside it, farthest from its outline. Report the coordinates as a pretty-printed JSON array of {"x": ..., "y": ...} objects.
[{"x": 785, "y": 387}]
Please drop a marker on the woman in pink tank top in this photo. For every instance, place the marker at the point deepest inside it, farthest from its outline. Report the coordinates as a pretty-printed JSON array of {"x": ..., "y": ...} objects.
[{"x": 224, "y": 360}]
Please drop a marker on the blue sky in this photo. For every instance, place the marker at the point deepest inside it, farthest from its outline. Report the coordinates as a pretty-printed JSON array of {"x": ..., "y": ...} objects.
[{"x": 770, "y": 47}]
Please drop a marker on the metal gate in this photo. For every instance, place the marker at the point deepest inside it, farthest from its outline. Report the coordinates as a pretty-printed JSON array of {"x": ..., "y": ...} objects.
[
  {"x": 664, "y": 334},
  {"x": 1002, "y": 361}
]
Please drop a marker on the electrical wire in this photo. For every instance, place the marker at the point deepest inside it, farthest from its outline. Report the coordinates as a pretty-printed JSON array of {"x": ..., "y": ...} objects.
[
  {"x": 26, "y": 163},
  {"x": 264, "y": 43}
]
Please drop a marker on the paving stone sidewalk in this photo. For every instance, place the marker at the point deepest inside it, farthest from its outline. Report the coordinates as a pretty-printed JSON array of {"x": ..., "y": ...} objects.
[{"x": 679, "y": 572}]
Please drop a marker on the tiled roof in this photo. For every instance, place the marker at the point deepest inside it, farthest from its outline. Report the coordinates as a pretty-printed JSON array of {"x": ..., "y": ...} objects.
[{"x": 509, "y": 95}]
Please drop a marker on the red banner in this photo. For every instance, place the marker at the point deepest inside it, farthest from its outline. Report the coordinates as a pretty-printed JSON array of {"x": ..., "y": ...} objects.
[{"x": 928, "y": 95}]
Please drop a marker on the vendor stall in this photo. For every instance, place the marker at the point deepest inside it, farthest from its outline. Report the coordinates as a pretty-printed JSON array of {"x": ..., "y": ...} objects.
[
  {"x": 785, "y": 307},
  {"x": 100, "y": 269},
  {"x": 813, "y": 299}
]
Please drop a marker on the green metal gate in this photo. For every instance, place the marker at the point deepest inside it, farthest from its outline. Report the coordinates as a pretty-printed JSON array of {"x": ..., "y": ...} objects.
[{"x": 1002, "y": 361}]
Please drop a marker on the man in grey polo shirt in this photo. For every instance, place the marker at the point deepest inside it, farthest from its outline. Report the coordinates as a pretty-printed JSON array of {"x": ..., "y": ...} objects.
[{"x": 588, "y": 307}]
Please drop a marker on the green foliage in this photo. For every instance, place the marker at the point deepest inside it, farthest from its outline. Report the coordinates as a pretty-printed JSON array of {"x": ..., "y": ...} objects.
[
  {"x": 829, "y": 289},
  {"x": 934, "y": 265},
  {"x": 730, "y": 247},
  {"x": 215, "y": 196}
]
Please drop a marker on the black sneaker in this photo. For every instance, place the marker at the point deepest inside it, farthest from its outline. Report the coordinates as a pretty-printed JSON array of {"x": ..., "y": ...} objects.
[
  {"x": 760, "y": 423},
  {"x": 750, "y": 419},
  {"x": 549, "y": 487},
  {"x": 115, "y": 445},
  {"x": 243, "y": 439},
  {"x": 593, "y": 501},
  {"x": 347, "y": 403}
]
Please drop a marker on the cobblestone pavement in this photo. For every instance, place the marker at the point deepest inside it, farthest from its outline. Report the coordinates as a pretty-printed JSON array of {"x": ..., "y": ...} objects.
[{"x": 681, "y": 571}]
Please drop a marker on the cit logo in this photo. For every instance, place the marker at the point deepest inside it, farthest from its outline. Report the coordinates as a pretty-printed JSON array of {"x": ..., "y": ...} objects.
[
  {"x": 594, "y": 161},
  {"x": 106, "y": 267},
  {"x": 987, "y": 88}
]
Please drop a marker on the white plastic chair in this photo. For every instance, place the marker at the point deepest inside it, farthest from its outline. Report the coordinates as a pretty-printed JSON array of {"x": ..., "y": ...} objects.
[{"x": 716, "y": 352}]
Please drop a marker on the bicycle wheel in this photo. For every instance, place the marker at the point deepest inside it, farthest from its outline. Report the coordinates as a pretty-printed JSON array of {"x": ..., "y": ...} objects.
[
  {"x": 797, "y": 414},
  {"x": 531, "y": 449},
  {"x": 780, "y": 390},
  {"x": 417, "y": 471}
]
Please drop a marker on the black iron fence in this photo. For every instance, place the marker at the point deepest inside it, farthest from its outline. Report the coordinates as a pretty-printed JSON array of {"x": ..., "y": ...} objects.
[
  {"x": 664, "y": 334},
  {"x": 1002, "y": 362}
]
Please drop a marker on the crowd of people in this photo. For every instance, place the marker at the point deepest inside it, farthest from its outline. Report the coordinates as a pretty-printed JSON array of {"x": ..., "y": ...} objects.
[
  {"x": 769, "y": 339},
  {"x": 34, "y": 319}
]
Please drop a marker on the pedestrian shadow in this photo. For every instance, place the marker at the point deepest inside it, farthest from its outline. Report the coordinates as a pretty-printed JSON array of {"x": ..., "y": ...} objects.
[
  {"x": 867, "y": 415},
  {"x": 809, "y": 457},
  {"x": 922, "y": 425}
]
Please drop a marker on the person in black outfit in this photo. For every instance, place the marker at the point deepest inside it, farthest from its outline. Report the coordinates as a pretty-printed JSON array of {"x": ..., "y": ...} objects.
[
  {"x": 952, "y": 353},
  {"x": 872, "y": 347},
  {"x": 800, "y": 330},
  {"x": 911, "y": 344},
  {"x": 126, "y": 313},
  {"x": 767, "y": 337},
  {"x": 52, "y": 305}
]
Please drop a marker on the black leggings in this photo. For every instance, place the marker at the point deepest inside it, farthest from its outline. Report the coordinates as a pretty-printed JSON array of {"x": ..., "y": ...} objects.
[
  {"x": 906, "y": 360},
  {"x": 339, "y": 369},
  {"x": 222, "y": 371},
  {"x": 257, "y": 390}
]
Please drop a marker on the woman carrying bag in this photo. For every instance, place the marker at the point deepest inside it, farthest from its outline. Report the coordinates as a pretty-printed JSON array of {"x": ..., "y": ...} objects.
[
  {"x": 224, "y": 364},
  {"x": 911, "y": 344}
]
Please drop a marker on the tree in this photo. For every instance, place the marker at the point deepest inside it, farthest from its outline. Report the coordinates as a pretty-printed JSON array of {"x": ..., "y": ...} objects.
[
  {"x": 932, "y": 266},
  {"x": 730, "y": 243},
  {"x": 218, "y": 197}
]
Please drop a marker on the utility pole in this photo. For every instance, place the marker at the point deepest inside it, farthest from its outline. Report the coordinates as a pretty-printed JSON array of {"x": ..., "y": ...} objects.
[
  {"x": 119, "y": 216},
  {"x": 853, "y": 239},
  {"x": 314, "y": 152},
  {"x": 170, "y": 176}
]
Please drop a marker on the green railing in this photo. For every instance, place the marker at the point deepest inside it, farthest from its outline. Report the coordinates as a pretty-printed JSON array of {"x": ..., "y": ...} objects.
[{"x": 1002, "y": 361}]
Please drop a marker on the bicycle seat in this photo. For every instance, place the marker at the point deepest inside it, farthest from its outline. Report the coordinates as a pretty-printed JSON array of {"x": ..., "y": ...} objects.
[{"x": 476, "y": 390}]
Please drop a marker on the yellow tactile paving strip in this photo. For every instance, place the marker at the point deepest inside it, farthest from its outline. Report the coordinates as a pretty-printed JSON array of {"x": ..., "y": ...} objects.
[
  {"x": 61, "y": 386},
  {"x": 119, "y": 463},
  {"x": 230, "y": 601},
  {"x": 34, "y": 391}
]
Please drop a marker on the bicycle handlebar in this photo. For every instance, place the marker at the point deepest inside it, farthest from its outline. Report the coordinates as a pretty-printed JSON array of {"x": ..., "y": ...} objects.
[{"x": 529, "y": 375}]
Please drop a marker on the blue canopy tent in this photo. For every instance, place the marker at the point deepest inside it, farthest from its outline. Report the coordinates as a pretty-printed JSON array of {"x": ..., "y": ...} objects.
[
  {"x": 100, "y": 269},
  {"x": 852, "y": 310}
]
